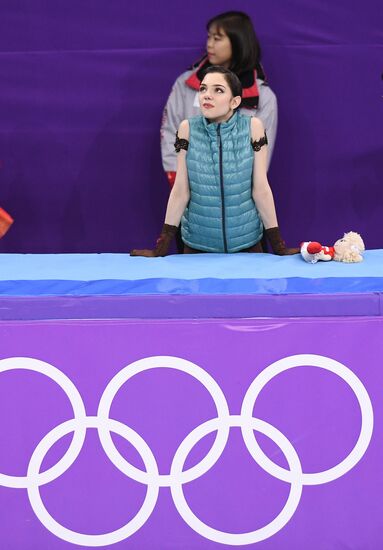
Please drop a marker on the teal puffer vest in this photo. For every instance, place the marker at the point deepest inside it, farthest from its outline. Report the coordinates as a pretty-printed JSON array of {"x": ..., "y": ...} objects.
[{"x": 221, "y": 215}]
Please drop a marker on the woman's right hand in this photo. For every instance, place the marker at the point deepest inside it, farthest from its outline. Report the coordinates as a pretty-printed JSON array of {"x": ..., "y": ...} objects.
[
  {"x": 146, "y": 253},
  {"x": 162, "y": 246}
]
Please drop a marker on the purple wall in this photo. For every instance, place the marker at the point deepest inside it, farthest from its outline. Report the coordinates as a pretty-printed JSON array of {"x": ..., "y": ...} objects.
[
  {"x": 329, "y": 425},
  {"x": 83, "y": 85}
]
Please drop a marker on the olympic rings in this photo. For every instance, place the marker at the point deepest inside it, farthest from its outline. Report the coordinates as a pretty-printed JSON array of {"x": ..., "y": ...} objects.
[
  {"x": 27, "y": 363},
  {"x": 172, "y": 363},
  {"x": 238, "y": 538},
  {"x": 313, "y": 361},
  {"x": 78, "y": 538},
  {"x": 177, "y": 477}
]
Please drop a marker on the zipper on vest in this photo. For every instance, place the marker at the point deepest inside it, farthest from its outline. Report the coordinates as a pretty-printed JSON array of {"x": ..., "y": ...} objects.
[{"x": 222, "y": 190}]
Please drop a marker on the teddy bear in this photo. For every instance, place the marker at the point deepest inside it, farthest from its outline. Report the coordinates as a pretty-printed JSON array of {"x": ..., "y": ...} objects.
[{"x": 348, "y": 249}]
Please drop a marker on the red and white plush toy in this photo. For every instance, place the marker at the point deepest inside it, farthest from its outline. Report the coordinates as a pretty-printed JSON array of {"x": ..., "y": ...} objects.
[
  {"x": 312, "y": 252},
  {"x": 347, "y": 249}
]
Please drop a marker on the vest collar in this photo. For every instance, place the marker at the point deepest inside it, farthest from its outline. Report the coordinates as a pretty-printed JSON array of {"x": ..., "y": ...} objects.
[{"x": 225, "y": 127}]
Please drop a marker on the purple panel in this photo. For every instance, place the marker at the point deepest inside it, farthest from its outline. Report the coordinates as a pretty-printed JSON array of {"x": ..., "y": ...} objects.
[
  {"x": 84, "y": 84},
  {"x": 184, "y": 306},
  {"x": 319, "y": 406}
]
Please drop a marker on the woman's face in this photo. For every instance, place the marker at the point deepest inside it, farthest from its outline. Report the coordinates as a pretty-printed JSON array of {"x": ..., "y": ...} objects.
[
  {"x": 216, "y": 99},
  {"x": 218, "y": 47}
]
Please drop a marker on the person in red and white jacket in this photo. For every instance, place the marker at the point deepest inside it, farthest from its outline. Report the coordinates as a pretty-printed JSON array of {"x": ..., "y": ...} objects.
[{"x": 233, "y": 44}]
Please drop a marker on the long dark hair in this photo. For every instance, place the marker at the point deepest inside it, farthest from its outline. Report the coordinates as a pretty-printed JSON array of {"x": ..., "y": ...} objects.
[{"x": 244, "y": 42}]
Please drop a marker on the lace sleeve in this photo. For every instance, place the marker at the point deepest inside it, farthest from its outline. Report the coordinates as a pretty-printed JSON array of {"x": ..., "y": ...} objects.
[
  {"x": 180, "y": 144},
  {"x": 258, "y": 144}
]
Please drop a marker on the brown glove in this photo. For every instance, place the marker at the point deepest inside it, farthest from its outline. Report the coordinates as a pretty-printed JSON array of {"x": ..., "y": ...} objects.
[
  {"x": 278, "y": 244},
  {"x": 162, "y": 246}
]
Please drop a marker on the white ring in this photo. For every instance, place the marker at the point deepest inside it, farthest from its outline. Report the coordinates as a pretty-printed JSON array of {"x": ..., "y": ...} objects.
[
  {"x": 328, "y": 364},
  {"x": 237, "y": 539},
  {"x": 27, "y": 363},
  {"x": 182, "y": 365},
  {"x": 79, "y": 538}
]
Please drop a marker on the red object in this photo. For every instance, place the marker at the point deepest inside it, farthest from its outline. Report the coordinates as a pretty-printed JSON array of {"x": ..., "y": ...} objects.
[
  {"x": 193, "y": 81},
  {"x": 5, "y": 222},
  {"x": 253, "y": 90},
  {"x": 171, "y": 178},
  {"x": 314, "y": 247}
]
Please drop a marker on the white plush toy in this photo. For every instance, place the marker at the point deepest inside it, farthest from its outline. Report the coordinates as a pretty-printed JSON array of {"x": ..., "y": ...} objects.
[{"x": 349, "y": 249}]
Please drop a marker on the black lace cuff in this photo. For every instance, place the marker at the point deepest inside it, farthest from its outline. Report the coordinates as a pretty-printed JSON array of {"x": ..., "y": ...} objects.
[
  {"x": 180, "y": 144},
  {"x": 257, "y": 145}
]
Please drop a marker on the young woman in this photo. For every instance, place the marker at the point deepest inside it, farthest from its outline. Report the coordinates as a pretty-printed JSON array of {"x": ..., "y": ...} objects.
[
  {"x": 221, "y": 194},
  {"x": 233, "y": 44}
]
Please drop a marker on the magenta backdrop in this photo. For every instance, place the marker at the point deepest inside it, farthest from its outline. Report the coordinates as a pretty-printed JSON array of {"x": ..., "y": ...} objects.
[{"x": 316, "y": 410}]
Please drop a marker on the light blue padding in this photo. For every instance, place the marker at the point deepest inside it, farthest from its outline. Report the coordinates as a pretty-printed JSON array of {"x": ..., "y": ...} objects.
[{"x": 93, "y": 267}]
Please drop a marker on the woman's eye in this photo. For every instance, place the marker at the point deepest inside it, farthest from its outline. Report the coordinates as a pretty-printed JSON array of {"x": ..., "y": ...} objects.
[{"x": 219, "y": 90}]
